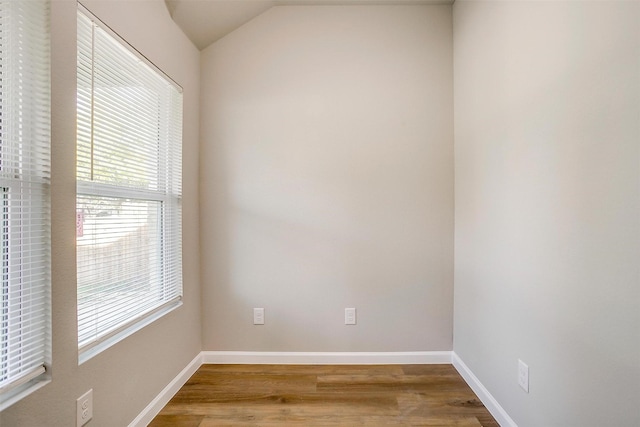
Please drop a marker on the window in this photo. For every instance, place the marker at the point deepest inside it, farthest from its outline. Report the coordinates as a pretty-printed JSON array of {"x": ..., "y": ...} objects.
[
  {"x": 24, "y": 197},
  {"x": 128, "y": 216}
]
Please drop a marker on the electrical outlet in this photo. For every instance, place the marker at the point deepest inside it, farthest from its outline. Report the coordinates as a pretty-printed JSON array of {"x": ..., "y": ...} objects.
[
  {"x": 349, "y": 316},
  {"x": 523, "y": 375},
  {"x": 84, "y": 408},
  {"x": 258, "y": 316}
]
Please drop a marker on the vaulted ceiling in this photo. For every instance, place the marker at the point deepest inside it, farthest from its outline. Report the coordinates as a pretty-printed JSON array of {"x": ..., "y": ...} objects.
[{"x": 205, "y": 21}]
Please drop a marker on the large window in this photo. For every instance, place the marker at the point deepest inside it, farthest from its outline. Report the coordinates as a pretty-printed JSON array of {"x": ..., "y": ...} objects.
[
  {"x": 24, "y": 197},
  {"x": 128, "y": 213}
]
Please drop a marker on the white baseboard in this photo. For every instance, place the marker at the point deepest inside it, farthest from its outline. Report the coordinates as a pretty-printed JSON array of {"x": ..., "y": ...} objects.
[
  {"x": 146, "y": 416},
  {"x": 483, "y": 394},
  {"x": 325, "y": 358}
]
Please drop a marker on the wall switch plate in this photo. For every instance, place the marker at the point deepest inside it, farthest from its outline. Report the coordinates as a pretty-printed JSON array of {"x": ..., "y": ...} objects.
[
  {"x": 84, "y": 408},
  {"x": 349, "y": 316},
  {"x": 523, "y": 375},
  {"x": 258, "y": 316}
]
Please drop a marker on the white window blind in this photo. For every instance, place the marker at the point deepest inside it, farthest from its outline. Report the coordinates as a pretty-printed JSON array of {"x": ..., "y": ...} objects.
[
  {"x": 129, "y": 144},
  {"x": 24, "y": 195}
]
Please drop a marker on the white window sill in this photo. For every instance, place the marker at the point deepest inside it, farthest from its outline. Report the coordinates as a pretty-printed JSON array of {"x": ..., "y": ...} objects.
[
  {"x": 93, "y": 350},
  {"x": 9, "y": 398}
]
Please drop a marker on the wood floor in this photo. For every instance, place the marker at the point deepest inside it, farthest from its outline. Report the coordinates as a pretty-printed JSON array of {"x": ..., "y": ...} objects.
[{"x": 303, "y": 395}]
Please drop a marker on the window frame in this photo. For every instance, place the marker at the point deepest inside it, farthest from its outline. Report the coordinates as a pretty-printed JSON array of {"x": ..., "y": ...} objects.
[
  {"x": 25, "y": 276},
  {"x": 167, "y": 199}
]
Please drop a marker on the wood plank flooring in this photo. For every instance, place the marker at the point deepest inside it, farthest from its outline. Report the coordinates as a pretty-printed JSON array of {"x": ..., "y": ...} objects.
[{"x": 320, "y": 395}]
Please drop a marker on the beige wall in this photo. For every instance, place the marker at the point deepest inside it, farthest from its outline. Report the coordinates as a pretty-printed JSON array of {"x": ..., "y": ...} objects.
[
  {"x": 327, "y": 180},
  {"x": 547, "y": 128},
  {"x": 126, "y": 377}
]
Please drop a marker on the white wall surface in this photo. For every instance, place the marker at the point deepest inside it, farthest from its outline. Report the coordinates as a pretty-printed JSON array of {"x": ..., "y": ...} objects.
[
  {"x": 126, "y": 377},
  {"x": 327, "y": 180},
  {"x": 547, "y": 135}
]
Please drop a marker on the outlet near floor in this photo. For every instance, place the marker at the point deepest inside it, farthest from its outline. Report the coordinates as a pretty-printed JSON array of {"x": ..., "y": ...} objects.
[
  {"x": 349, "y": 316},
  {"x": 84, "y": 408},
  {"x": 523, "y": 375},
  {"x": 258, "y": 316}
]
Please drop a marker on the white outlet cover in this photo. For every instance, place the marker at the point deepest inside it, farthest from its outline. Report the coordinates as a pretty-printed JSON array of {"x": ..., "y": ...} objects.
[
  {"x": 84, "y": 408},
  {"x": 258, "y": 316},
  {"x": 523, "y": 375},
  {"x": 349, "y": 316}
]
